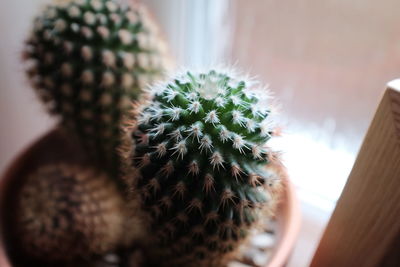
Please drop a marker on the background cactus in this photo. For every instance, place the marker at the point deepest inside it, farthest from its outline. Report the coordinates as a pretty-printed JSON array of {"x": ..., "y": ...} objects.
[
  {"x": 87, "y": 60},
  {"x": 65, "y": 212},
  {"x": 199, "y": 165}
]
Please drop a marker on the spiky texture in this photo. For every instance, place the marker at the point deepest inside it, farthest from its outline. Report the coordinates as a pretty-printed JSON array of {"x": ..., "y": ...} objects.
[
  {"x": 66, "y": 212},
  {"x": 87, "y": 60},
  {"x": 198, "y": 163}
]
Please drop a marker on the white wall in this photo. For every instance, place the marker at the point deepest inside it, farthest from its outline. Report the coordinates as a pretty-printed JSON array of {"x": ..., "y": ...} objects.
[{"x": 22, "y": 118}]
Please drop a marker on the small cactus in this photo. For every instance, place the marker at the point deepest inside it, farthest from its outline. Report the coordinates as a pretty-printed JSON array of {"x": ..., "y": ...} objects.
[
  {"x": 200, "y": 166},
  {"x": 88, "y": 59},
  {"x": 65, "y": 212}
]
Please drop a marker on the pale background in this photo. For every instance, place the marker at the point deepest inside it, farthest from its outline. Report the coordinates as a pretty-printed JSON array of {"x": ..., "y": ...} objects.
[
  {"x": 22, "y": 118},
  {"x": 327, "y": 62}
]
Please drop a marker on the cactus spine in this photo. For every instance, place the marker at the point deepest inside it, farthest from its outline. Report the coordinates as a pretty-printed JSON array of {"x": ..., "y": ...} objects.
[
  {"x": 66, "y": 212},
  {"x": 88, "y": 59},
  {"x": 198, "y": 163}
]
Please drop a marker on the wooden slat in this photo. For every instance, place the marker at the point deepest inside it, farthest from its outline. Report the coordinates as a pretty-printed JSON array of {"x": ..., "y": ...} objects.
[{"x": 365, "y": 225}]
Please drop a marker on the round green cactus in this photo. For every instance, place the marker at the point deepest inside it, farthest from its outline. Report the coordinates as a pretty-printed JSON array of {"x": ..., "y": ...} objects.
[
  {"x": 199, "y": 164},
  {"x": 65, "y": 212},
  {"x": 88, "y": 59}
]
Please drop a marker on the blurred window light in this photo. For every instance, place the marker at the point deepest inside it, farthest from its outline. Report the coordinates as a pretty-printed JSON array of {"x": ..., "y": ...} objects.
[
  {"x": 198, "y": 31},
  {"x": 326, "y": 61}
]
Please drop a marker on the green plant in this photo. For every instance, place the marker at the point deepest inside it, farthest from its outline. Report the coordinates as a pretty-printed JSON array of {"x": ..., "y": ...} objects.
[
  {"x": 88, "y": 59},
  {"x": 65, "y": 212},
  {"x": 199, "y": 164}
]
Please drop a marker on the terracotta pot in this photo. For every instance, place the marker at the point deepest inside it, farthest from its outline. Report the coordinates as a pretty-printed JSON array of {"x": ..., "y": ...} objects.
[{"x": 42, "y": 151}]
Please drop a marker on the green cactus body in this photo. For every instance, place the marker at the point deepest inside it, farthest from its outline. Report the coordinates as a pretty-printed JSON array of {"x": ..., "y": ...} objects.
[
  {"x": 65, "y": 212},
  {"x": 199, "y": 157},
  {"x": 88, "y": 59}
]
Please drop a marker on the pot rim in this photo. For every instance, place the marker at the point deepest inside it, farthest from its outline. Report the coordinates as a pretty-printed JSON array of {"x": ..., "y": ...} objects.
[{"x": 289, "y": 221}]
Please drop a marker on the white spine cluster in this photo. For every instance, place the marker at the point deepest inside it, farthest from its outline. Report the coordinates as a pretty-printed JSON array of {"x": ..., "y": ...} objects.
[
  {"x": 89, "y": 18},
  {"x": 74, "y": 11},
  {"x": 194, "y": 168},
  {"x": 129, "y": 60},
  {"x": 194, "y": 107},
  {"x": 205, "y": 143},
  {"x": 108, "y": 79},
  {"x": 167, "y": 169},
  {"x": 170, "y": 95},
  {"x": 239, "y": 143},
  {"x": 195, "y": 204},
  {"x": 179, "y": 189},
  {"x": 144, "y": 118},
  {"x": 180, "y": 149},
  {"x": 251, "y": 125},
  {"x": 175, "y": 113},
  {"x": 125, "y": 36},
  {"x": 127, "y": 80},
  {"x": 103, "y": 32},
  {"x": 195, "y": 130},
  {"x": 96, "y": 4},
  {"x": 60, "y": 25},
  {"x": 224, "y": 134},
  {"x": 236, "y": 170},
  {"x": 159, "y": 129},
  {"x": 176, "y": 134},
  {"x": 212, "y": 117},
  {"x": 132, "y": 17},
  {"x": 116, "y": 19},
  {"x": 87, "y": 53},
  {"x": 161, "y": 149},
  {"x": 208, "y": 183},
  {"x": 216, "y": 160},
  {"x": 108, "y": 58},
  {"x": 102, "y": 19},
  {"x": 237, "y": 117},
  {"x": 87, "y": 32}
]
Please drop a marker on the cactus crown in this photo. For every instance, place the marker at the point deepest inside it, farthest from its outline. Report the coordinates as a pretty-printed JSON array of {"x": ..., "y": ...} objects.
[
  {"x": 88, "y": 60},
  {"x": 199, "y": 155}
]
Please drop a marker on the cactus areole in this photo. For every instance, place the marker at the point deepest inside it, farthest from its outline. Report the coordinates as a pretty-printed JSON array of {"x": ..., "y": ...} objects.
[{"x": 199, "y": 157}]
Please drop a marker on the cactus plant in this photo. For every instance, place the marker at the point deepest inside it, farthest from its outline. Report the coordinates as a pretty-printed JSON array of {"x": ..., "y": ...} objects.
[
  {"x": 88, "y": 59},
  {"x": 66, "y": 212},
  {"x": 198, "y": 163}
]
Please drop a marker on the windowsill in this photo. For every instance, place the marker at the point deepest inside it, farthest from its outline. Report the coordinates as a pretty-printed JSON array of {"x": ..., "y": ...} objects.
[
  {"x": 319, "y": 172},
  {"x": 314, "y": 221}
]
